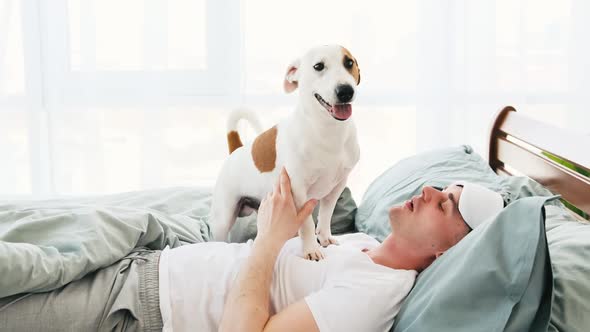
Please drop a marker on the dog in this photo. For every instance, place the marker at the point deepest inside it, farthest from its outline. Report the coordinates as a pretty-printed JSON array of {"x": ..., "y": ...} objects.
[{"x": 317, "y": 144}]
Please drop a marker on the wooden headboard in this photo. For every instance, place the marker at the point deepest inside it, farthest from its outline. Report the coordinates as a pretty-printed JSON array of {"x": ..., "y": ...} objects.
[{"x": 554, "y": 157}]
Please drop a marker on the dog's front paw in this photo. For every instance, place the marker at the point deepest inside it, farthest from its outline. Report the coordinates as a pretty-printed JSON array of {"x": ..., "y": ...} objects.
[
  {"x": 326, "y": 238},
  {"x": 312, "y": 252}
]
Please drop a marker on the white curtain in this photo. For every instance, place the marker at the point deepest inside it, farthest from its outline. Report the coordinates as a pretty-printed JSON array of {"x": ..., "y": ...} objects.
[{"x": 100, "y": 96}]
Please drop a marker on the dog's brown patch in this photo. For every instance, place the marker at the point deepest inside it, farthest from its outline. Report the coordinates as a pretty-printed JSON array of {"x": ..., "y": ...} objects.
[
  {"x": 354, "y": 70},
  {"x": 233, "y": 141},
  {"x": 264, "y": 150}
]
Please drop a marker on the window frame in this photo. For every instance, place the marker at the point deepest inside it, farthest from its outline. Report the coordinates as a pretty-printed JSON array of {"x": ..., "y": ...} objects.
[{"x": 63, "y": 86}]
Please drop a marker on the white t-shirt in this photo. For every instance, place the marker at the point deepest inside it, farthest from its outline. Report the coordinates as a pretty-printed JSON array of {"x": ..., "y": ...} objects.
[{"x": 346, "y": 291}]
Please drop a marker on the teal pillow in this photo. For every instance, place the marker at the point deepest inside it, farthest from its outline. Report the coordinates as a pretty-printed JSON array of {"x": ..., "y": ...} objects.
[
  {"x": 569, "y": 246},
  {"x": 407, "y": 177},
  {"x": 498, "y": 278},
  {"x": 523, "y": 186}
]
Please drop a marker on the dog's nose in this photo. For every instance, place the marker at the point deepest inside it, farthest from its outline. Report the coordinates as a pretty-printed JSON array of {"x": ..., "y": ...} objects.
[{"x": 344, "y": 93}]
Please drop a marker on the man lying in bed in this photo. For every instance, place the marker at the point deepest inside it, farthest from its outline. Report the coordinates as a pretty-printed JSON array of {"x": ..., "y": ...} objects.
[{"x": 264, "y": 284}]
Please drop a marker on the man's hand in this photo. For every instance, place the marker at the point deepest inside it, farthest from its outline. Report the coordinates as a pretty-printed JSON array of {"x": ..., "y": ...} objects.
[
  {"x": 278, "y": 218},
  {"x": 248, "y": 303}
]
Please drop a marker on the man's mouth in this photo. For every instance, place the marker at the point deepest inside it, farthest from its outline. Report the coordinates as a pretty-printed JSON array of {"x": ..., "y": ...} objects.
[{"x": 339, "y": 112}]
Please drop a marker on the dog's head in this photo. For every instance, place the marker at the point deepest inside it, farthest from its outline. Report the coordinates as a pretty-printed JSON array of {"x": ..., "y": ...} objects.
[{"x": 326, "y": 77}]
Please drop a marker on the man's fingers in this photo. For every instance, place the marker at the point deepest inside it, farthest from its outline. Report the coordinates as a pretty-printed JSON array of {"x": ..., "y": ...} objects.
[
  {"x": 285, "y": 182},
  {"x": 264, "y": 201},
  {"x": 307, "y": 209},
  {"x": 277, "y": 187}
]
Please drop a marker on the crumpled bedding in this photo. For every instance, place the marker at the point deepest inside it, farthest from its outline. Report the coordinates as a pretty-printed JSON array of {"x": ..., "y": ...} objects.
[{"x": 46, "y": 244}]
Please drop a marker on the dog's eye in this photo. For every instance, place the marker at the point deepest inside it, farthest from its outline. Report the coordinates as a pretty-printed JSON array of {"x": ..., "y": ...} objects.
[
  {"x": 319, "y": 66},
  {"x": 348, "y": 63}
]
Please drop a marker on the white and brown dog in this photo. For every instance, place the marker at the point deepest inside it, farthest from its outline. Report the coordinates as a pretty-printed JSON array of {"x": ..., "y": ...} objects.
[{"x": 317, "y": 144}]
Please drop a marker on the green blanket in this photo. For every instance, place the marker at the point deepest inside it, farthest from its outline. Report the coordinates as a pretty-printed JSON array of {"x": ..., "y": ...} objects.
[{"x": 47, "y": 244}]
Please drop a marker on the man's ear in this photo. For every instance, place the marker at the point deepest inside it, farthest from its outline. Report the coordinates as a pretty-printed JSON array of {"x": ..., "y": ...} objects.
[
  {"x": 292, "y": 77},
  {"x": 439, "y": 253}
]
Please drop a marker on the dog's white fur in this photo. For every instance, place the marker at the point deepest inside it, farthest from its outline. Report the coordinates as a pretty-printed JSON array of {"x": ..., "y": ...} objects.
[
  {"x": 243, "y": 114},
  {"x": 317, "y": 150}
]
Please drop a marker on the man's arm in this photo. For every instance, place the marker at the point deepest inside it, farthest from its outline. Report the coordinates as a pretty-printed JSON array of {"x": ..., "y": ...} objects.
[
  {"x": 247, "y": 306},
  {"x": 248, "y": 302}
]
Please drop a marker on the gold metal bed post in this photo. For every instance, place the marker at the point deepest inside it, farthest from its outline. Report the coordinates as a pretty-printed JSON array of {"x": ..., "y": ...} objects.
[{"x": 554, "y": 157}]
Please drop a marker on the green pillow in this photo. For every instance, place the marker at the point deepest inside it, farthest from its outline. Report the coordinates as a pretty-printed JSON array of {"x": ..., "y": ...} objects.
[
  {"x": 569, "y": 246},
  {"x": 407, "y": 177},
  {"x": 498, "y": 278},
  {"x": 523, "y": 186}
]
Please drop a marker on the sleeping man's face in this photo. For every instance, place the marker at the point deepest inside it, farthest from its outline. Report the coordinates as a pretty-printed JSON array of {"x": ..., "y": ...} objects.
[{"x": 431, "y": 221}]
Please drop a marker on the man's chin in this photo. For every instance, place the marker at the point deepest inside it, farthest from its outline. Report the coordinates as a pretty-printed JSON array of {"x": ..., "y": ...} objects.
[
  {"x": 393, "y": 221},
  {"x": 396, "y": 215}
]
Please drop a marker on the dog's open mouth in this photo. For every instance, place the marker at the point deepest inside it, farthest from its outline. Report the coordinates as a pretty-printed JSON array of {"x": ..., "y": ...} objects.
[{"x": 339, "y": 112}]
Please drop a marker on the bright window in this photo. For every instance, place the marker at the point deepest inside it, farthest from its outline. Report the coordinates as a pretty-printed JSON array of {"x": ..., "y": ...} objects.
[{"x": 102, "y": 96}]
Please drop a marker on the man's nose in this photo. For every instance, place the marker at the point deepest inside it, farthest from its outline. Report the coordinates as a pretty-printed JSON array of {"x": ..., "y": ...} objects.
[{"x": 429, "y": 192}]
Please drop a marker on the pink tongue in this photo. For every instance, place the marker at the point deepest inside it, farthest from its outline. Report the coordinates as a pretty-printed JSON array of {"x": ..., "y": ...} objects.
[{"x": 342, "y": 112}]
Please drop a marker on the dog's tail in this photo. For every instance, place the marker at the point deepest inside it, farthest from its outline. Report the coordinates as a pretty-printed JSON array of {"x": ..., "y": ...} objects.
[{"x": 233, "y": 137}]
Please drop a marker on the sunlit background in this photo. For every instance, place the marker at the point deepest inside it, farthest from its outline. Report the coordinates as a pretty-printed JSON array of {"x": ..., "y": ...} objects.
[{"x": 102, "y": 96}]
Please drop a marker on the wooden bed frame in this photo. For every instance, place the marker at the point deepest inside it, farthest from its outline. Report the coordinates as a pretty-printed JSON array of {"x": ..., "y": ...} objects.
[{"x": 520, "y": 145}]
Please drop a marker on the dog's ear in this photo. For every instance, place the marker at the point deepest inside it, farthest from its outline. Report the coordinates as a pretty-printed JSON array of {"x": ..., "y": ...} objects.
[
  {"x": 358, "y": 80},
  {"x": 354, "y": 70},
  {"x": 292, "y": 77}
]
